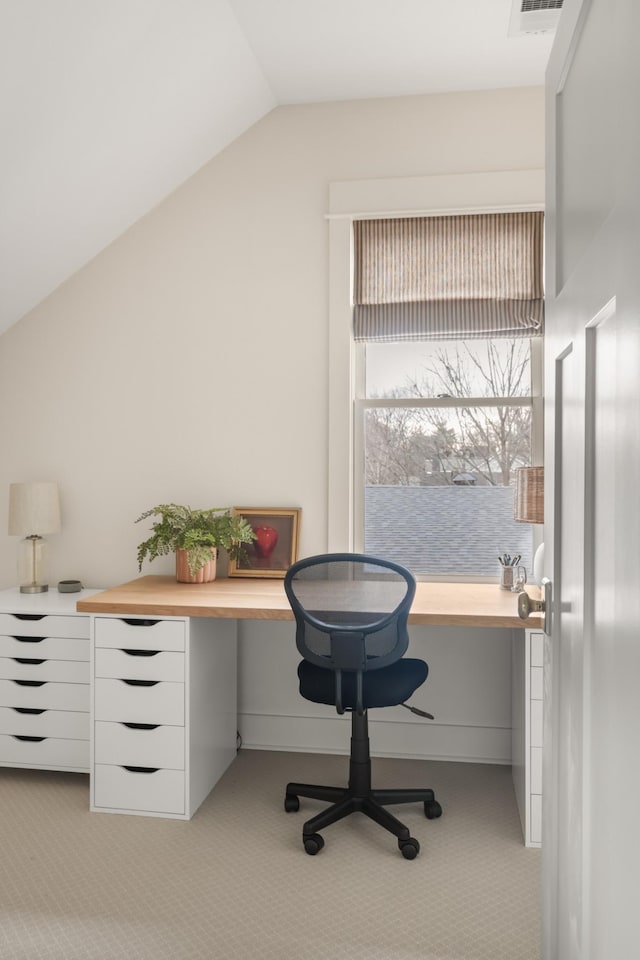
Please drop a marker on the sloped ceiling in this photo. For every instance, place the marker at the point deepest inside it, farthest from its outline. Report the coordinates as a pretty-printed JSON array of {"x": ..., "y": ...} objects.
[{"x": 106, "y": 106}]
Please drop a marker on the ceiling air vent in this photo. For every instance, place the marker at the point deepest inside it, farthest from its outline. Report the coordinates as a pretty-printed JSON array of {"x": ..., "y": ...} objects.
[{"x": 534, "y": 16}]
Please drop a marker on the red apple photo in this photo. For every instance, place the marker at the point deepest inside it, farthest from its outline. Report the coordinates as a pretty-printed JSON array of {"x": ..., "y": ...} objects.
[{"x": 266, "y": 540}]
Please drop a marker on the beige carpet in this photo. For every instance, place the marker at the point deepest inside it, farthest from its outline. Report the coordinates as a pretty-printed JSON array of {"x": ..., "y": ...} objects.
[{"x": 235, "y": 882}]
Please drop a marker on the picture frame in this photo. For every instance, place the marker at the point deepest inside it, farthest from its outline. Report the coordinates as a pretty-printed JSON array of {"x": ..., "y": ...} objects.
[{"x": 276, "y": 548}]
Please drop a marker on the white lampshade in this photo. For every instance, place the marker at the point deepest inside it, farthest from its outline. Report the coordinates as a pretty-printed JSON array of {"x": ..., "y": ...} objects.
[{"x": 34, "y": 509}]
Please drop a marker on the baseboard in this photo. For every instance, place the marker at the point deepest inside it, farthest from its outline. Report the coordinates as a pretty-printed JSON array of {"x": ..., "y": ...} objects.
[{"x": 422, "y": 740}]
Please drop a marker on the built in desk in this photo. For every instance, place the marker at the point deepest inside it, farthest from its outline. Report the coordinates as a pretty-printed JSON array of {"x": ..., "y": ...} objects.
[
  {"x": 164, "y": 712},
  {"x": 448, "y": 604}
]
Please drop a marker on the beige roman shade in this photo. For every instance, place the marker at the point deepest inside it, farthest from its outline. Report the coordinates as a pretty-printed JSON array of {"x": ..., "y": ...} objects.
[{"x": 453, "y": 277}]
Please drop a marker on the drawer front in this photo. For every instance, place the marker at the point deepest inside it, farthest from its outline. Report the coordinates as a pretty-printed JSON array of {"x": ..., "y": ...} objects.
[
  {"x": 115, "y": 743},
  {"x": 139, "y": 633},
  {"x": 139, "y": 664},
  {"x": 537, "y": 649},
  {"x": 536, "y": 723},
  {"x": 42, "y": 753},
  {"x": 128, "y": 703},
  {"x": 536, "y": 769},
  {"x": 24, "y": 625},
  {"x": 536, "y": 818},
  {"x": 29, "y": 668},
  {"x": 71, "y": 725},
  {"x": 48, "y": 648},
  {"x": 45, "y": 696},
  {"x": 536, "y": 683},
  {"x": 160, "y": 791}
]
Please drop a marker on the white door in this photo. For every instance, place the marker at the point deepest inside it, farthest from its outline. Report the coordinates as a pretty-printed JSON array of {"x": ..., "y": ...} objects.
[{"x": 591, "y": 808}]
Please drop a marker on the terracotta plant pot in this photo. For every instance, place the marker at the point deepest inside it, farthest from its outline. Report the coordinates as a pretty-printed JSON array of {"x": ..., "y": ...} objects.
[{"x": 205, "y": 575}]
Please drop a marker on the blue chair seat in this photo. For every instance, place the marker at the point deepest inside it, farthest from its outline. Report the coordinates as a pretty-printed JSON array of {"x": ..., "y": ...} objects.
[{"x": 381, "y": 688}]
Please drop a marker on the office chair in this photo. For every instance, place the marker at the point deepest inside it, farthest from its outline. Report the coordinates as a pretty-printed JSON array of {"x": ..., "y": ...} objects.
[{"x": 351, "y": 615}]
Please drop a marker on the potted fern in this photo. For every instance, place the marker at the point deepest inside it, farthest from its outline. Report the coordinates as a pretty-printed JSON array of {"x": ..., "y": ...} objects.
[{"x": 195, "y": 536}]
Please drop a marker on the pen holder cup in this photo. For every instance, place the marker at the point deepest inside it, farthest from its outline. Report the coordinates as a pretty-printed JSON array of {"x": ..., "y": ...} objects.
[{"x": 506, "y": 577}]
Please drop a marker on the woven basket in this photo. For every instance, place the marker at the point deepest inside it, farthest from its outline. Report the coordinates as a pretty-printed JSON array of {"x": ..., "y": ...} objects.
[{"x": 528, "y": 504}]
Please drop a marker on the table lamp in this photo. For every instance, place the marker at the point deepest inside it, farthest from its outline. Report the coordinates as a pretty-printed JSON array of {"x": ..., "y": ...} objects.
[
  {"x": 528, "y": 507},
  {"x": 34, "y": 510}
]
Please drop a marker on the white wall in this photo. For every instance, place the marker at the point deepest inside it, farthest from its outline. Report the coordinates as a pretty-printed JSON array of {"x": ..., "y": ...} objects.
[
  {"x": 188, "y": 361},
  {"x": 468, "y": 692}
]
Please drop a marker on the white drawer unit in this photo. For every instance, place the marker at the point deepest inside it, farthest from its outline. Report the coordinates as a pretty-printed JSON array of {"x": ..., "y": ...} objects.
[
  {"x": 44, "y": 681},
  {"x": 135, "y": 664},
  {"x": 140, "y": 633},
  {"x": 40, "y": 722},
  {"x": 47, "y": 648},
  {"x": 139, "y": 701},
  {"x": 39, "y": 695},
  {"x": 50, "y": 753},
  {"x": 163, "y": 712},
  {"x": 140, "y": 744},
  {"x": 30, "y": 623},
  {"x": 527, "y": 709},
  {"x": 29, "y": 668},
  {"x": 133, "y": 789}
]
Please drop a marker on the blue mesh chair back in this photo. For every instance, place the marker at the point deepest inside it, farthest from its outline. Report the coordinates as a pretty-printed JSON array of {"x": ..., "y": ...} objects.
[{"x": 351, "y": 615}]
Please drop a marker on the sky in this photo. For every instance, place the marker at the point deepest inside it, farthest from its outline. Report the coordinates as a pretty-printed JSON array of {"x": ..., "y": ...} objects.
[{"x": 393, "y": 365}]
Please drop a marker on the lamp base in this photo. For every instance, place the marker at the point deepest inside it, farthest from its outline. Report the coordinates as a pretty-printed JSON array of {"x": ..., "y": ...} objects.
[{"x": 32, "y": 564}]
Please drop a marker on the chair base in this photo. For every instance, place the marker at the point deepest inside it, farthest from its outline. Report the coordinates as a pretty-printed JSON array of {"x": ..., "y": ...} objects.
[{"x": 359, "y": 796}]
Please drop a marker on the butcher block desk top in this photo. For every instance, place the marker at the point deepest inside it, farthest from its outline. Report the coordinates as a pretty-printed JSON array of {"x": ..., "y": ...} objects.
[{"x": 448, "y": 604}]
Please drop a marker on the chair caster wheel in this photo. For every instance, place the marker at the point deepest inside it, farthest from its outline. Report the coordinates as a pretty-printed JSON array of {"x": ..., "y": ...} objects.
[
  {"x": 409, "y": 848},
  {"x": 313, "y": 844},
  {"x": 291, "y": 803},
  {"x": 432, "y": 809}
]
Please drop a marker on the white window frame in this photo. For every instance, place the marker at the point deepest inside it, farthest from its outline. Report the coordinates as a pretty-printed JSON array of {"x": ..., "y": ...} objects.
[
  {"x": 361, "y": 404},
  {"x": 491, "y": 192}
]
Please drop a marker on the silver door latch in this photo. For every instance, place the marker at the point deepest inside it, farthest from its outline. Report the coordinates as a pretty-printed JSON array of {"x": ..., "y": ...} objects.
[{"x": 527, "y": 605}]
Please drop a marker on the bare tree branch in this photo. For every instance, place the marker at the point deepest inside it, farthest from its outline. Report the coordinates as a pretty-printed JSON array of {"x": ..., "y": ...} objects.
[{"x": 429, "y": 446}]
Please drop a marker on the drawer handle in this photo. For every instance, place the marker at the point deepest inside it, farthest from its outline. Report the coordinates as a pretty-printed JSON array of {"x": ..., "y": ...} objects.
[
  {"x": 29, "y": 639},
  {"x": 139, "y": 623},
  {"x": 141, "y": 769},
  {"x": 29, "y": 616},
  {"x": 140, "y": 653},
  {"x": 18, "y": 736},
  {"x": 28, "y": 660},
  {"x": 141, "y": 726},
  {"x": 30, "y": 683},
  {"x": 140, "y": 683},
  {"x": 33, "y": 710}
]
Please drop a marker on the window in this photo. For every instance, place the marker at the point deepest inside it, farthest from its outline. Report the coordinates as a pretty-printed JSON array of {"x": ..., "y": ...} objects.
[
  {"x": 448, "y": 316},
  {"x": 440, "y": 428}
]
